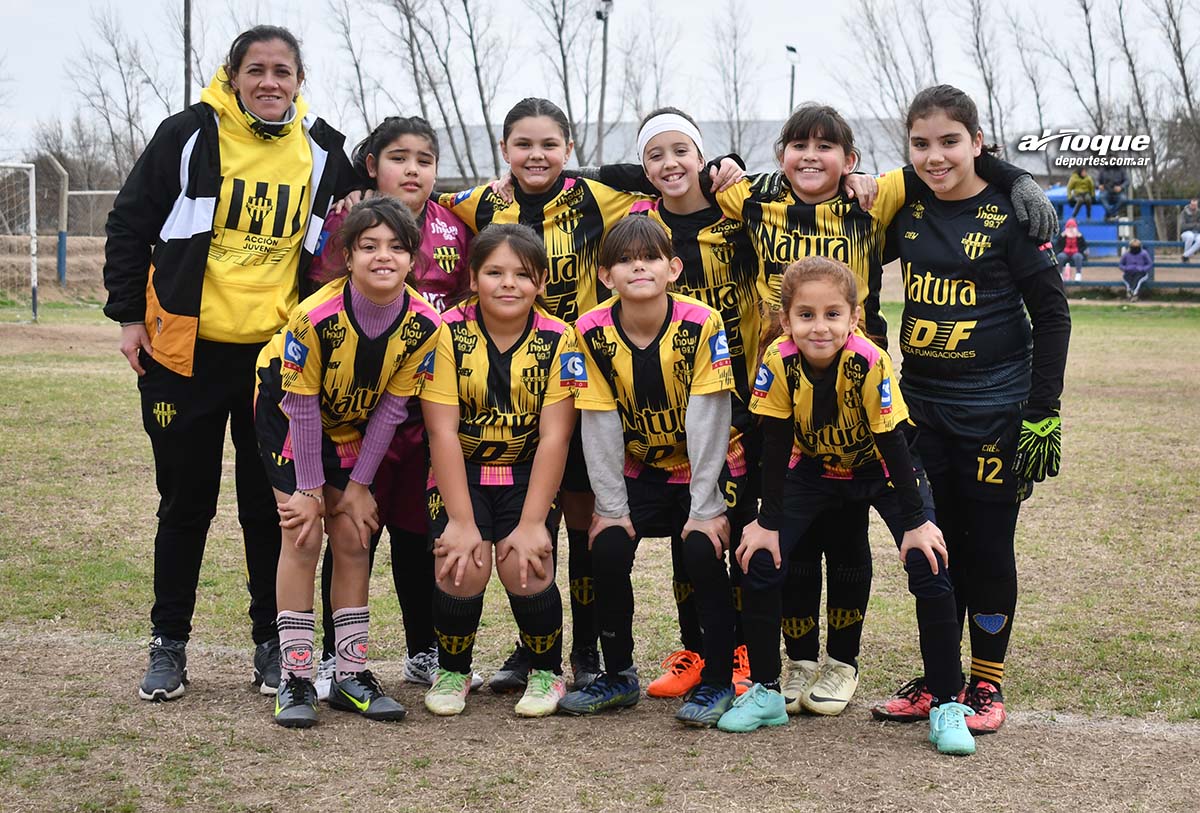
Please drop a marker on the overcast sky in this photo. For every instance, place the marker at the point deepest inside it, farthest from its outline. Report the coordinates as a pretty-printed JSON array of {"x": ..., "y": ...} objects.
[{"x": 41, "y": 37}]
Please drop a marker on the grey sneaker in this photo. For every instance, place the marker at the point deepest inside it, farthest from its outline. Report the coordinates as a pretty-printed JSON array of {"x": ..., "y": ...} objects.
[
  {"x": 362, "y": 693},
  {"x": 423, "y": 667},
  {"x": 296, "y": 703},
  {"x": 167, "y": 673},
  {"x": 266, "y": 666}
]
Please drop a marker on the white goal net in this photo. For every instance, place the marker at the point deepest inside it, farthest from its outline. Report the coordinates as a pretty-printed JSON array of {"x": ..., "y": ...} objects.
[{"x": 18, "y": 237}]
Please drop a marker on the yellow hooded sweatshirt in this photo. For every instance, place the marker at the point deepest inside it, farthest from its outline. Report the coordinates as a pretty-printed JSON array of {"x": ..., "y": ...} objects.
[{"x": 250, "y": 282}]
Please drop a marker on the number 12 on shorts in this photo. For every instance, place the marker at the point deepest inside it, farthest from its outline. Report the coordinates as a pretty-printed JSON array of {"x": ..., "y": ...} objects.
[{"x": 989, "y": 470}]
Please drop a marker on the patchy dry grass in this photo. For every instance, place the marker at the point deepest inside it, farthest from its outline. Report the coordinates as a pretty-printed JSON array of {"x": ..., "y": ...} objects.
[{"x": 1100, "y": 675}]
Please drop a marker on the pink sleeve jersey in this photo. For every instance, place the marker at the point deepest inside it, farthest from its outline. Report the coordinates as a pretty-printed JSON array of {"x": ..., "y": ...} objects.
[{"x": 440, "y": 273}]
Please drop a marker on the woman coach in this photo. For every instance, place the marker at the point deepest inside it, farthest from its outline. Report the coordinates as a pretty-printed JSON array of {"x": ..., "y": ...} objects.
[{"x": 208, "y": 242}]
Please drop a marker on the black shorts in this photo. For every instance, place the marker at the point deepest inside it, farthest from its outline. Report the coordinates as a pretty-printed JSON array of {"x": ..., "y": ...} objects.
[
  {"x": 497, "y": 511},
  {"x": 662, "y": 509},
  {"x": 575, "y": 475},
  {"x": 271, "y": 427},
  {"x": 970, "y": 447}
]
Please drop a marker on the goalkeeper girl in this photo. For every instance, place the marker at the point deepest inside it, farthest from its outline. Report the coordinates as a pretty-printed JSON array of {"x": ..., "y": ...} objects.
[{"x": 982, "y": 384}]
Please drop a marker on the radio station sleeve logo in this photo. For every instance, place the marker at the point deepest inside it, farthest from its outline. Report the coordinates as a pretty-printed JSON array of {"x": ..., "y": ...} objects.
[
  {"x": 574, "y": 371},
  {"x": 718, "y": 346},
  {"x": 295, "y": 353},
  {"x": 885, "y": 396},
  {"x": 763, "y": 381}
]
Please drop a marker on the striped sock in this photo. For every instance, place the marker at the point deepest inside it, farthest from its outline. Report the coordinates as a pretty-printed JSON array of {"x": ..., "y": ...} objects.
[
  {"x": 990, "y": 671},
  {"x": 296, "y": 643},
  {"x": 350, "y": 640}
]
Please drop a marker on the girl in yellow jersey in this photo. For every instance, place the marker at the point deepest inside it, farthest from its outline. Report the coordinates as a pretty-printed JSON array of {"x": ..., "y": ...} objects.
[{"x": 499, "y": 416}]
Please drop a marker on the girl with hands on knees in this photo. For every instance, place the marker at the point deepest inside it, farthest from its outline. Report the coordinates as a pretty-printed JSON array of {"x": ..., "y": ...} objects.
[
  {"x": 333, "y": 385},
  {"x": 836, "y": 437},
  {"x": 499, "y": 413}
]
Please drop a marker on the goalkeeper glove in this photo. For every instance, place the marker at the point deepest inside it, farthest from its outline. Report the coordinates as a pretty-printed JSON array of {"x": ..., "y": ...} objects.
[
  {"x": 1031, "y": 206},
  {"x": 1039, "y": 451}
]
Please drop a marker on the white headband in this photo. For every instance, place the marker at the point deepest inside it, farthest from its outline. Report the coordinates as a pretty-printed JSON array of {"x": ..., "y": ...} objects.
[{"x": 666, "y": 123}]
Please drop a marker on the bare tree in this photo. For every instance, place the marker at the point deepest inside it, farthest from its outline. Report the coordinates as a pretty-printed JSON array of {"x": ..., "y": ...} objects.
[
  {"x": 979, "y": 49},
  {"x": 646, "y": 49},
  {"x": 1057, "y": 49},
  {"x": 735, "y": 68},
  {"x": 563, "y": 21},
  {"x": 889, "y": 69},
  {"x": 440, "y": 42},
  {"x": 353, "y": 47},
  {"x": 486, "y": 63},
  {"x": 1033, "y": 75},
  {"x": 1169, "y": 16}
]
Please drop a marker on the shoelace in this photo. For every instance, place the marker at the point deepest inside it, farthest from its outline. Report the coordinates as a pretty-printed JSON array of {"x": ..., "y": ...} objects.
[
  {"x": 706, "y": 695},
  {"x": 828, "y": 682},
  {"x": 741, "y": 660},
  {"x": 300, "y": 691},
  {"x": 541, "y": 681},
  {"x": 600, "y": 687},
  {"x": 680, "y": 661},
  {"x": 756, "y": 694},
  {"x": 372, "y": 684},
  {"x": 162, "y": 657},
  {"x": 450, "y": 683},
  {"x": 912, "y": 690},
  {"x": 979, "y": 698}
]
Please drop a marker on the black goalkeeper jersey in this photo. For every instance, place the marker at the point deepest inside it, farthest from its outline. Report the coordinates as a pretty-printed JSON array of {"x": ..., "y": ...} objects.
[{"x": 965, "y": 335}]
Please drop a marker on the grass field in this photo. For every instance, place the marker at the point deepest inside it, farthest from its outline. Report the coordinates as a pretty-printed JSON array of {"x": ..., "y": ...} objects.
[{"x": 1101, "y": 677}]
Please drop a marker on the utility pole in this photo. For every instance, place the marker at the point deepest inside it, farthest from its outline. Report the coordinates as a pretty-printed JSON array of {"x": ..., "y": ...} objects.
[
  {"x": 603, "y": 9},
  {"x": 187, "y": 53},
  {"x": 793, "y": 55}
]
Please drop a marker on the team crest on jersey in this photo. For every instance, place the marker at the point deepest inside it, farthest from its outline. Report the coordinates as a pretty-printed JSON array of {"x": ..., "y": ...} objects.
[
  {"x": 798, "y": 627},
  {"x": 568, "y": 221},
  {"x": 335, "y": 334},
  {"x": 763, "y": 381},
  {"x": 295, "y": 353},
  {"x": 975, "y": 243},
  {"x": 425, "y": 370},
  {"x": 539, "y": 348},
  {"x": 991, "y": 623},
  {"x": 279, "y": 460},
  {"x": 164, "y": 412},
  {"x": 840, "y": 208},
  {"x": 723, "y": 252},
  {"x": 258, "y": 208},
  {"x": 918, "y": 210},
  {"x": 446, "y": 258},
  {"x": 885, "y": 397},
  {"x": 683, "y": 372},
  {"x": 718, "y": 347},
  {"x": 535, "y": 379},
  {"x": 574, "y": 371}
]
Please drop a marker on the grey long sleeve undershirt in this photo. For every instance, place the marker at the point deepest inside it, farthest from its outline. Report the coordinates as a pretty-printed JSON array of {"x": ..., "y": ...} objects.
[
  {"x": 604, "y": 451},
  {"x": 707, "y": 426}
]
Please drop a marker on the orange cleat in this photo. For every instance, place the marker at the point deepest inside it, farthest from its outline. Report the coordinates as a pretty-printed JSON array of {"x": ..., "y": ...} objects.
[
  {"x": 741, "y": 671},
  {"x": 681, "y": 676}
]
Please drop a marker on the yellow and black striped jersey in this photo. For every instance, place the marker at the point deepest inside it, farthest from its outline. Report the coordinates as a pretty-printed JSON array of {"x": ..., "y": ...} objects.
[
  {"x": 720, "y": 269},
  {"x": 785, "y": 229},
  {"x": 322, "y": 351},
  {"x": 572, "y": 218},
  {"x": 650, "y": 386},
  {"x": 835, "y": 415},
  {"x": 500, "y": 394}
]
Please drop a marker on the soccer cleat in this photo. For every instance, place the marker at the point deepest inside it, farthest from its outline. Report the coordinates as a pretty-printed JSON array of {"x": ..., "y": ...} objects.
[
  {"x": 705, "y": 706},
  {"x": 682, "y": 674},
  {"x": 832, "y": 689},
  {"x": 324, "y": 679},
  {"x": 542, "y": 693},
  {"x": 362, "y": 693},
  {"x": 422, "y": 668},
  {"x": 296, "y": 703},
  {"x": 585, "y": 666},
  {"x": 985, "y": 699},
  {"x": 266, "y": 666},
  {"x": 948, "y": 729},
  {"x": 910, "y": 703},
  {"x": 741, "y": 671},
  {"x": 758, "y": 707},
  {"x": 514, "y": 673},
  {"x": 603, "y": 693},
  {"x": 167, "y": 673},
  {"x": 448, "y": 694},
  {"x": 797, "y": 678}
]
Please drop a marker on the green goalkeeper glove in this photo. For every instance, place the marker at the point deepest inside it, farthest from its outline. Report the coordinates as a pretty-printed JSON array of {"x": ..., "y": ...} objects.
[{"x": 1039, "y": 451}]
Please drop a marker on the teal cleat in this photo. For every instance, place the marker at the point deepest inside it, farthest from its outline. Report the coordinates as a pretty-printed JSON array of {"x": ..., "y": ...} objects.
[
  {"x": 948, "y": 729},
  {"x": 758, "y": 707}
]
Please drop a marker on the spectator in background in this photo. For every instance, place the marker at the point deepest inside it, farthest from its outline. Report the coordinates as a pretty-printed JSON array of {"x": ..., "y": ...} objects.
[
  {"x": 1071, "y": 248},
  {"x": 1189, "y": 228},
  {"x": 1081, "y": 191},
  {"x": 1112, "y": 183},
  {"x": 1136, "y": 266}
]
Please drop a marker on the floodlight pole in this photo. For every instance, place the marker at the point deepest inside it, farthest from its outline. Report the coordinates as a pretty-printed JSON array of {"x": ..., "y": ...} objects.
[
  {"x": 187, "y": 53},
  {"x": 603, "y": 9},
  {"x": 793, "y": 55}
]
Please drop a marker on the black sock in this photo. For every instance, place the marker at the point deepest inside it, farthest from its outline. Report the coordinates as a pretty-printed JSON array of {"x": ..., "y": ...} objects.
[
  {"x": 539, "y": 618},
  {"x": 801, "y": 605},
  {"x": 690, "y": 634},
  {"x": 714, "y": 605},
  {"x": 612, "y": 562},
  {"x": 455, "y": 622},
  {"x": 412, "y": 573},
  {"x": 849, "y": 592},
  {"x": 583, "y": 590},
  {"x": 938, "y": 629},
  {"x": 760, "y": 612},
  {"x": 993, "y": 604}
]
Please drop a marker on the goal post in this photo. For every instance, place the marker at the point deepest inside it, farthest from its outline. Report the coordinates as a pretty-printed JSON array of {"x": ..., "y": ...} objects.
[{"x": 18, "y": 233}]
